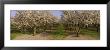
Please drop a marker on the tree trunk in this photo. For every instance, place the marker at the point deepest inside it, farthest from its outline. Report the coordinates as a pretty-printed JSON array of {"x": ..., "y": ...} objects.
[
  {"x": 77, "y": 31},
  {"x": 24, "y": 30},
  {"x": 77, "y": 34},
  {"x": 97, "y": 29},
  {"x": 34, "y": 31},
  {"x": 45, "y": 28}
]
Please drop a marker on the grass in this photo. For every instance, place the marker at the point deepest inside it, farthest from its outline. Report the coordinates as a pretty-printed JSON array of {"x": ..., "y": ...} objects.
[
  {"x": 61, "y": 35},
  {"x": 14, "y": 35},
  {"x": 90, "y": 33}
]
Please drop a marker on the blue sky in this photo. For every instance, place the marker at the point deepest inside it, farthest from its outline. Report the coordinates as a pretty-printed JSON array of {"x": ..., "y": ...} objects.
[
  {"x": 13, "y": 13},
  {"x": 56, "y": 13}
]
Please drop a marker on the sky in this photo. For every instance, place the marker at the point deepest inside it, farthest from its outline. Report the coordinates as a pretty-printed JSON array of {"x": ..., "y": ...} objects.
[
  {"x": 13, "y": 13},
  {"x": 56, "y": 13}
]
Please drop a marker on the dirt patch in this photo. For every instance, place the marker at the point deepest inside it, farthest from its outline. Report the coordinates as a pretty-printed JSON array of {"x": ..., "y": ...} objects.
[
  {"x": 81, "y": 37},
  {"x": 50, "y": 37}
]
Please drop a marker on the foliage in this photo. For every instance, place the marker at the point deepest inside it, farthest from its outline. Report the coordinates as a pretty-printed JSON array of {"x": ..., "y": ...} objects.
[
  {"x": 81, "y": 19},
  {"x": 60, "y": 30},
  {"x": 34, "y": 21}
]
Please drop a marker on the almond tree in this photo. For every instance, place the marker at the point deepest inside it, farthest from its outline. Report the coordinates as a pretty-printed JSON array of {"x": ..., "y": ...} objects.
[
  {"x": 91, "y": 17},
  {"x": 72, "y": 20},
  {"x": 77, "y": 19},
  {"x": 33, "y": 20}
]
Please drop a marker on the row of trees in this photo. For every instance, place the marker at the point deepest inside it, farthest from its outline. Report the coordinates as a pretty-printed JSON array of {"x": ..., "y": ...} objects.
[
  {"x": 77, "y": 19},
  {"x": 72, "y": 20},
  {"x": 31, "y": 20}
]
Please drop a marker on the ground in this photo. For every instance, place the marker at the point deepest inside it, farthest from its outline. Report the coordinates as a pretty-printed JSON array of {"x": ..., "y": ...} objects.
[
  {"x": 83, "y": 35},
  {"x": 52, "y": 37}
]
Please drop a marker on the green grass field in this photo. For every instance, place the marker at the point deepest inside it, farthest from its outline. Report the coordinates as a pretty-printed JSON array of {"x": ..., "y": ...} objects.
[
  {"x": 90, "y": 33},
  {"x": 87, "y": 32},
  {"x": 14, "y": 35}
]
